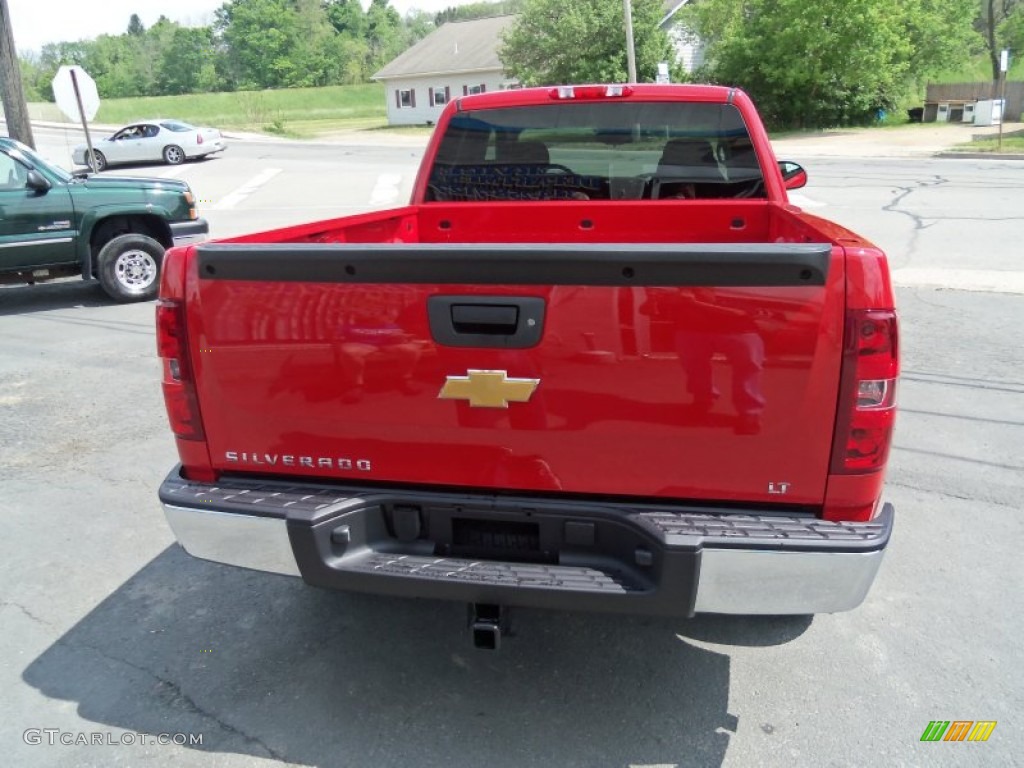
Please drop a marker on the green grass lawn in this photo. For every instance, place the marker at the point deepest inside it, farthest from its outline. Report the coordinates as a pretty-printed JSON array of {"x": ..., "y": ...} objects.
[
  {"x": 1012, "y": 142},
  {"x": 979, "y": 70},
  {"x": 300, "y": 112}
]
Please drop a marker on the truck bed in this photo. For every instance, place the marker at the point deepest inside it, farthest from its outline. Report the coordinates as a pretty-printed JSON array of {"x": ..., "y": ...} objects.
[
  {"x": 622, "y": 221},
  {"x": 702, "y": 368}
]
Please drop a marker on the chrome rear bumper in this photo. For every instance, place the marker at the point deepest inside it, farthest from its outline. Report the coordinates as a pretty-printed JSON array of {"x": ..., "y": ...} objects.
[
  {"x": 675, "y": 562},
  {"x": 777, "y": 583}
]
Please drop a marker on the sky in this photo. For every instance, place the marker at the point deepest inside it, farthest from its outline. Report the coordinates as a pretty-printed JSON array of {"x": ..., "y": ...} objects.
[{"x": 37, "y": 22}]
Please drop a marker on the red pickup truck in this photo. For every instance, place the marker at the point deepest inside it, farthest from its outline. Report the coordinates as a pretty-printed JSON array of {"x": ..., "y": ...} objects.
[{"x": 599, "y": 362}]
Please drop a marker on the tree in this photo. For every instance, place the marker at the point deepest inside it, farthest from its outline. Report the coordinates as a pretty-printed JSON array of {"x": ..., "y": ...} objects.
[
  {"x": 417, "y": 25},
  {"x": 1012, "y": 31},
  {"x": 347, "y": 17},
  {"x": 29, "y": 78},
  {"x": 261, "y": 36},
  {"x": 478, "y": 10},
  {"x": 997, "y": 27},
  {"x": 135, "y": 26},
  {"x": 313, "y": 55},
  {"x": 50, "y": 59},
  {"x": 940, "y": 36},
  {"x": 186, "y": 62},
  {"x": 579, "y": 41},
  {"x": 110, "y": 61},
  {"x": 383, "y": 33},
  {"x": 829, "y": 62},
  {"x": 252, "y": 44}
]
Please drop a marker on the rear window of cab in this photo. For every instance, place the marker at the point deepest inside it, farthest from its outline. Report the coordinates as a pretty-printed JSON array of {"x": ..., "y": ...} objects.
[{"x": 597, "y": 151}]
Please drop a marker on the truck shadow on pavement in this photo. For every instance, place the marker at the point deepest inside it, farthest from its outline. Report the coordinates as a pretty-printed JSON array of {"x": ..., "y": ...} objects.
[
  {"x": 60, "y": 294},
  {"x": 265, "y": 666}
]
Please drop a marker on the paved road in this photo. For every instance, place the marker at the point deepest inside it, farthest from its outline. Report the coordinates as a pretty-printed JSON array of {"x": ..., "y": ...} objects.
[
  {"x": 946, "y": 223},
  {"x": 108, "y": 628},
  {"x": 262, "y": 184},
  {"x": 268, "y": 183}
]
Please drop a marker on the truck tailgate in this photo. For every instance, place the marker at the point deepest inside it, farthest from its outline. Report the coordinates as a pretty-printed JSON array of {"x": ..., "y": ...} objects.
[{"x": 654, "y": 370}]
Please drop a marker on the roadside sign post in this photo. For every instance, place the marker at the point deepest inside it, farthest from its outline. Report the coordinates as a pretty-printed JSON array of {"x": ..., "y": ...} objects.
[
  {"x": 85, "y": 125},
  {"x": 1004, "y": 65},
  {"x": 76, "y": 96}
]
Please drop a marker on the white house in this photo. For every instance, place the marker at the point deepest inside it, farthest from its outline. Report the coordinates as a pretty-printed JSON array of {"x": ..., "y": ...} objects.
[
  {"x": 457, "y": 58},
  {"x": 461, "y": 57},
  {"x": 689, "y": 49}
]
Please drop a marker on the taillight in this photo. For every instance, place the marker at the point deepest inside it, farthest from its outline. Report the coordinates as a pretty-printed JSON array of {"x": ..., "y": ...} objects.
[
  {"x": 178, "y": 383},
  {"x": 199, "y": 138},
  {"x": 867, "y": 392},
  {"x": 589, "y": 91}
]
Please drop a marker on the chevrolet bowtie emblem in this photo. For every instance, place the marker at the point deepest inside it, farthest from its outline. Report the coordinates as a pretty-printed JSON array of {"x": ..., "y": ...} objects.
[{"x": 488, "y": 389}]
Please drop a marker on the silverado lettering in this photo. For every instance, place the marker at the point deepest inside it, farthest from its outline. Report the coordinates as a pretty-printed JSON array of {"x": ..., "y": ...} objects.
[
  {"x": 288, "y": 460},
  {"x": 719, "y": 373}
]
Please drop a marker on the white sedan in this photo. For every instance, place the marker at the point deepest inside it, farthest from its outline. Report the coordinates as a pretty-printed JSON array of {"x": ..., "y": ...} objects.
[{"x": 167, "y": 141}]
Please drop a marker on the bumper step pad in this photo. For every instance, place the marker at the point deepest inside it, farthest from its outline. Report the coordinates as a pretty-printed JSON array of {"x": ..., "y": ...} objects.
[
  {"x": 775, "y": 531},
  {"x": 491, "y": 573}
]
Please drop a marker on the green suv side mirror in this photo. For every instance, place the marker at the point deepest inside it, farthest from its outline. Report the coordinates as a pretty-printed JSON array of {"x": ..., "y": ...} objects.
[{"x": 37, "y": 182}]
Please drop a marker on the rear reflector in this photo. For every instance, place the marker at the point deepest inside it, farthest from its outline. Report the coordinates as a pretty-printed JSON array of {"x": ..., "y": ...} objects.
[
  {"x": 589, "y": 91},
  {"x": 199, "y": 138}
]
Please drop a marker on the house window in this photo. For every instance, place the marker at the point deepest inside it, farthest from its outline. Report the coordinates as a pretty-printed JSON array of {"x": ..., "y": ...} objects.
[
  {"x": 405, "y": 99},
  {"x": 469, "y": 90},
  {"x": 439, "y": 96}
]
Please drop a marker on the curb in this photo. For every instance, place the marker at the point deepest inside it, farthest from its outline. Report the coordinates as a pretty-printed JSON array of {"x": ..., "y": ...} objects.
[
  {"x": 75, "y": 126},
  {"x": 253, "y": 138},
  {"x": 980, "y": 155}
]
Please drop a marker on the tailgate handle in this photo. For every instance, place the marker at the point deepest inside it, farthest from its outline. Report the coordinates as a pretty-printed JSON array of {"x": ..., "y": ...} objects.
[
  {"x": 485, "y": 318},
  {"x": 505, "y": 322}
]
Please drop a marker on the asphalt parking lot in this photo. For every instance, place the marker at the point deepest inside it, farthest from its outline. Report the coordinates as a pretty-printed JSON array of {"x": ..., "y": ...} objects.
[{"x": 110, "y": 629}]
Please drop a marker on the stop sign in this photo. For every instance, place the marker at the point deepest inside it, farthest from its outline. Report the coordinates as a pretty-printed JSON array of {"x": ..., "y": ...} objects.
[{"x": 64, "y": 93}]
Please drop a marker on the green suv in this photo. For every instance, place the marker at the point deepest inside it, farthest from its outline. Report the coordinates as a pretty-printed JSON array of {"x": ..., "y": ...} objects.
[{"x": 113, "y": 229}]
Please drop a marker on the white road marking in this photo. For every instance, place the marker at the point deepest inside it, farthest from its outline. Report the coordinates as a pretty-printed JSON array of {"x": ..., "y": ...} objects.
[
  {"x": 257, "y": 181},
  {"x": 805, "y": 202},
  {"x": 981, "y": 280},
  {"x": 386, "y": 190},
  {"x": 171, "y": 173}
]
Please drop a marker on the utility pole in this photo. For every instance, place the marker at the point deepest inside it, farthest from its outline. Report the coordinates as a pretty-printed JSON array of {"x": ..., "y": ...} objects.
[
  {"x": 15, "y": 110},
  {"x": 627, "y": 10}
]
